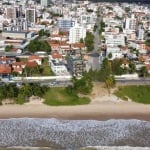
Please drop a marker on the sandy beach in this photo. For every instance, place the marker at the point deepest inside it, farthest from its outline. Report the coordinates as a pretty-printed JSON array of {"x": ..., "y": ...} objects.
[{"x": 102, "y": 107}]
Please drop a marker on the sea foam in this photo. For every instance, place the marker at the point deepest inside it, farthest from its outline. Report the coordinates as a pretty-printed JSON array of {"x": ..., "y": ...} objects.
[{"x": 65, "y": 134}]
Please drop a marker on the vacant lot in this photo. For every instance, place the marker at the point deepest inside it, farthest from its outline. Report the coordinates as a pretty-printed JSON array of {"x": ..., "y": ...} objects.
[
  {"x": 140, "y": 94},
  {"x": 60, "y": 96}
]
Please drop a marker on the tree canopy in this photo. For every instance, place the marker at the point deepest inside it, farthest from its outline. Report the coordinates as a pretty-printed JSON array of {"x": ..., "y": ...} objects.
[
  {"x": 83, "y": 85},
  {"x": 89, "y": 41},
  {"x": 38, "y": 45},
  {"x": 21, "y": 94},
  {"x": 147, "y": 42},
  {"x": 43, "y": 32}
]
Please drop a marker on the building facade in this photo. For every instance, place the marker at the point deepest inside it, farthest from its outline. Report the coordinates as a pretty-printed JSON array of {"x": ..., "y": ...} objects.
[
  {"x": 76, "y": 33},
  {"x": 76, "y": 65}
]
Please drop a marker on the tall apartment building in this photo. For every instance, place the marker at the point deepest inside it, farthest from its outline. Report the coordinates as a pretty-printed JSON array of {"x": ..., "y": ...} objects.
[
  {"x": 10, "y": 13},
  {"x": 30, "y": 15},
  {"x": 76, "y": 33},
  {"x": 13, "y": 12},
  {"x": 76, "y": 65},
  {"x": 65, "y": 24},
  {"x": 131, "y": 23},
  {"x": 140, "y": 33},
  {"x": 44, "y": 3}
]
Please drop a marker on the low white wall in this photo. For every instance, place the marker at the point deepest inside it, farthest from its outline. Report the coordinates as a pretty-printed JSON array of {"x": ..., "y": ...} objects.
[
  {"x": 57, "y": 78},
  {"x": 127, "y": 76}
]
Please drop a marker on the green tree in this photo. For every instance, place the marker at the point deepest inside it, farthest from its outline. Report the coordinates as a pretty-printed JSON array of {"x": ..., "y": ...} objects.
[
  {"x": 127, "y": 9},
  {"x": 132, "y": 67},
  {"x": 8, "y": 48},
  {"x": 110, "y": 83},
  {"x": 147, "y": 42},
  {"x": 21, "y": 98},
  {"x": 110, "y": 55},
  {"x": 37, "y": 45},
  {"x": 43, "y": 32},
  {"x": 89, "y": 41},
  {"x": 116, "y": 67},
  {"x": 144, "y": 71},
  {"x": 83, "y": 85},
  {"x": 102, "y": 27},
  {"x": 81, "y": 40},
  {"x": 105, "y": 70}
]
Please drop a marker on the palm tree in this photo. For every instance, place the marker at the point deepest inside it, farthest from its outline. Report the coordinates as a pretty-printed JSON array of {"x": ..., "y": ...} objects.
[
  {"x": 144, "y": 71},
  {"x": 110, "y": 83}
]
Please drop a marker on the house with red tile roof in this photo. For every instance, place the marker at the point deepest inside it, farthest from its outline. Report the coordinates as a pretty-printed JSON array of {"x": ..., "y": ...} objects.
[
  {"x": 18, "y": 67},
  {"x": 6, "y": 60},
  {"x": 19, "y": 64},
  {"x": 18, "y": 70},
  {"x": 5, "y": 69},
  {"x": 78, "y": 48},
  {"x": 35, "y": 58},
  {"x": 31, "y": 64}
]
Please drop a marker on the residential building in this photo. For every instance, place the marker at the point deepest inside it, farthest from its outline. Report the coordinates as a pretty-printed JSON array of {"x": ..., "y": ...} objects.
[
  {"x": 115, "y": 39},
  {"x": 57, "y": 65},
  {"x": 92, "y": 61},
  {"x": 76, "y": 65},
  {"x": 10, "y": 13},
  {"x": 140, "y": 33},
  {"x": 5, "y": 70},
  {"x": 131, "y": 23},
  {"x": 35, "y": 58},
  {"x": 44, "y": 3},
  {"x": 30, "y": 15},
  {"x": 65, "y": 24},
  {"x": 76, "y": 33},
  {"x": 115, "y": 51}
]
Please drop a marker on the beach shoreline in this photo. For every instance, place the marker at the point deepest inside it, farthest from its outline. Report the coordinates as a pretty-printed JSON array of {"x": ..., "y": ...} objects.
[
  {"x": 103, "y": 106},
  {"x": 103, "y": 111}
]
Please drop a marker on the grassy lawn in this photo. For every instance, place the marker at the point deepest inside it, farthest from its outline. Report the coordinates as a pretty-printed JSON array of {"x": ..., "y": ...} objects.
[
  {"x": 46, "y": 68},
  {"x": 140, "y": 94},
  {"x": 59, "y": 96}
]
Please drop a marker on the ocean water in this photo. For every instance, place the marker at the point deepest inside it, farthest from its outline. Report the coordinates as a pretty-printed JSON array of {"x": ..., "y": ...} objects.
[{"x": 74, "y": 134}]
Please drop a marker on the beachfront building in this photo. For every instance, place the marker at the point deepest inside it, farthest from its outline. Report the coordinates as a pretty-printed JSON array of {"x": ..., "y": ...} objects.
[
  {"x": 76, "y": 65},
  {"x": 57, "y": 65}
]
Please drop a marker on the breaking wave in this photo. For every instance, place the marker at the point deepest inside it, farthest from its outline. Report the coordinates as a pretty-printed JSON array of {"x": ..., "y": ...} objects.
[{"x": 65, "y": 134}]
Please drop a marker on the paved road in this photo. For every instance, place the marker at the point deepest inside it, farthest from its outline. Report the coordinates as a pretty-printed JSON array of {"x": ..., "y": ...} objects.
[
  {"x": 140, "y": 81},
  {"x": 49, "y": 83}
]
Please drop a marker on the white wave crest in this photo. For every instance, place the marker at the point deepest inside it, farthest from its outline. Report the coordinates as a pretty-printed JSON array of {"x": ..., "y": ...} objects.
[{"x": 64, "y": 134}]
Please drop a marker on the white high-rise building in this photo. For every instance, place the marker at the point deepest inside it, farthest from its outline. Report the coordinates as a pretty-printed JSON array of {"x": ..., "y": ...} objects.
[
  {"x": 76, "y": 33},
  {"x": 140, "y": 33},
  {"x": 44, "y": 3},
  {"x": 131, "y": 23}
]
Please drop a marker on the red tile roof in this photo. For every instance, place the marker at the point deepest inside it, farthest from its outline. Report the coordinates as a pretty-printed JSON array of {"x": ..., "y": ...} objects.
[
  {"x": 17, "y": 70},
  {"x": 5, "y": 69},
  {"x": 78, "y": 45},
  {"x": 31, "y": 64},
  {"x": 19, "y": 63},
  {"x": 147, "y": 48}
]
